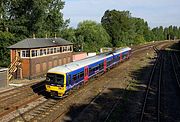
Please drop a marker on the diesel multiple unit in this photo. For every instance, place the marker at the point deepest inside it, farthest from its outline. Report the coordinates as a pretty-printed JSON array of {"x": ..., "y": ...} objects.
[{"x": 61, "y": 79}]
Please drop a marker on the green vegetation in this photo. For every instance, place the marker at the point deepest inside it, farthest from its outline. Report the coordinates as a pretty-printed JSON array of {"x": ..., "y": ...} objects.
[
  {"x": 89, "y": 36},
  {"x": 92, "y": 36},
  {"x": 6, "y": 39},
  {"x": 125, "y": 29},
  {"x": 20, "y": 19}
]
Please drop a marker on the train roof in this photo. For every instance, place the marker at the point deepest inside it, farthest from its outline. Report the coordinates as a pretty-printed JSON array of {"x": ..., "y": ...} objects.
[
  {"x": 84, "y": 62},
  {"x": 121, "y": 50}
]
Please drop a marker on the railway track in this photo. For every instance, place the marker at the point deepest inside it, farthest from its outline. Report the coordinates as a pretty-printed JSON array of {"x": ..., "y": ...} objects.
[
  {"x": 49, "y": 105},
  {"x": 61, "y": 103},
  {"x": 40, "y": 108},
  {"x": 14, "y": 91},
  {"x": 19, "y": 97},
  {"x": 150, "y": 109},
  {"x": 177, "y": 59},
  {"x": 159, "y": 88},
  {"x": 112, "y": 105},
  {"x": 115, "y": 105},
  {"x": 100, "y": 97},
  {"x": 43, "y": 104},
  {"x": 176, "y": 69},
  {"x": 156, "y": 111},
  {"x": 36, "y": 112},
  {"x": 171, "y": 90}
]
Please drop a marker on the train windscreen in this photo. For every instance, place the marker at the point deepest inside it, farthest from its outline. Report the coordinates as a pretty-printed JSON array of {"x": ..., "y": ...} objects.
[{"x": 55, "y": 79}]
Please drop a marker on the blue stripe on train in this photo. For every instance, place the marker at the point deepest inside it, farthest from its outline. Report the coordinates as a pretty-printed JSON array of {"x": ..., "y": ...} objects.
[{"x": 71, "y": 84}]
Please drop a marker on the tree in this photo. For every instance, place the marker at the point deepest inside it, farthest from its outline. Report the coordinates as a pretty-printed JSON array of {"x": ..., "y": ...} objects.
[
  {"x": 175, "y": 32},
  {"x": 19, "y": 19},
  {"x": 69, "y": 34},
  {"x": 6, "y": 39},
  {"x": 92, "y": 36},
  {"x": 179, "y": 33},
  {"x": 125, "y": 29},
  {"x": 158, "y": 33},
  {"x": 34, "y": 16},
  {"x": 118, "y": 25},
  {"x": 142, "y": 31}
]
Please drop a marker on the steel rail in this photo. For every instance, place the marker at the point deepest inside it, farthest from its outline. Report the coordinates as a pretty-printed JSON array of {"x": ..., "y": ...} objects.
[
  {"x": 18, "y": 106},
  {"x": 177, "y": 60},
  {"x": 148, "y": 88},
  {"x": 175, "y": 73},
  {"x": 106, "y": 86},
  {"x": 159, "y": 90}
]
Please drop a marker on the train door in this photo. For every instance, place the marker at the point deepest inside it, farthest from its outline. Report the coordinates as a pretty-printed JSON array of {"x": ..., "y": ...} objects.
[
  {"x": 86, "y": 72},
  {"x": 120, "y": 57},
  {"x": 105, "y": 65}
]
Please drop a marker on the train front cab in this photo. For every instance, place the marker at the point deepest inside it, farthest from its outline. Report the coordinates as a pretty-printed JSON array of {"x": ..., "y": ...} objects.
[{"x": 56, "y": 84}]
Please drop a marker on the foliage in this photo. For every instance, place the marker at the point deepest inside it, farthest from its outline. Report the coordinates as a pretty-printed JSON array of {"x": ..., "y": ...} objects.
[
  {"x": 69, "y": 34},
  {"x": 158, "y": 33},
  {"x": 92, "y": 36},
  {"x": 19, "y": 19},
  {"x": 126, "y": 30},
  {"x": 123, "y": 28},
  {"x": 25, "y": 17},
  {"x": 117, "y": 24},
  {"x": 6, "y": 39}
]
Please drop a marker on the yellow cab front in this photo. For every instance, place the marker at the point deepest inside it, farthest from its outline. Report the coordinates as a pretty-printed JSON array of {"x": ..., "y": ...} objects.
[{"x": 56, "y": 84}]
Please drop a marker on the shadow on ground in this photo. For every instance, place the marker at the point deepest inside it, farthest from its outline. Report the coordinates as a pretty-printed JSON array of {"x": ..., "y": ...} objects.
[
  {"x": 128, "y": 107},
  {"x": 99, "y": 109},
  {"x": 176, "y": 46},
  {"x": 39, "y": 88}
]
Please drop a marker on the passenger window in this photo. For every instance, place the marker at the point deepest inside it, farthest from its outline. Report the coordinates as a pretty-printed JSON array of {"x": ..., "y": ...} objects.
[
  {"x": 78, "y": 76},
  {"x": 74, "y": 77},
  {"x": 90, "y": 70},
  {"x": 101, "y": 66},
  {"x": 97, "y": 68},
  {"x": 94, "y": 69},
  {"x": 81, "y": 74}
]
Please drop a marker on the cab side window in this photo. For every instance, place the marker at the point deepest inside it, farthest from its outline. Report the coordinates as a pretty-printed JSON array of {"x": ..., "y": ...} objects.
[{"x": 69, "y": 80}]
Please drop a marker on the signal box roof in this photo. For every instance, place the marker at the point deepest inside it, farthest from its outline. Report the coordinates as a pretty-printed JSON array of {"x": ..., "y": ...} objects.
[{"x": 31, "y": 43}]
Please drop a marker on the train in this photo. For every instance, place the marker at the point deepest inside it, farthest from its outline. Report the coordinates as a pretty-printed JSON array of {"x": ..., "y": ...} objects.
[{"x": 61, "y": 79}]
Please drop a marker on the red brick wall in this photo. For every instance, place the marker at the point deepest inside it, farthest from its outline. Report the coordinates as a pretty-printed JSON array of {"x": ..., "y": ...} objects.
[
  {"x": 12, "y": 55},
  {"x": 25, "y": 68},
  {"x": 40, "y": 65}
]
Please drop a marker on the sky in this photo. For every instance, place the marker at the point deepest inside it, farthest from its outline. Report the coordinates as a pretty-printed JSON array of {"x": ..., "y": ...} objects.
[{"x": 155, "y": 12}]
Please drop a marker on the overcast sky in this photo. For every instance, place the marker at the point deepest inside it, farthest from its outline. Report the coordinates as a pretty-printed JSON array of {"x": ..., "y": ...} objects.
[{"x": 155, "y": 12}]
